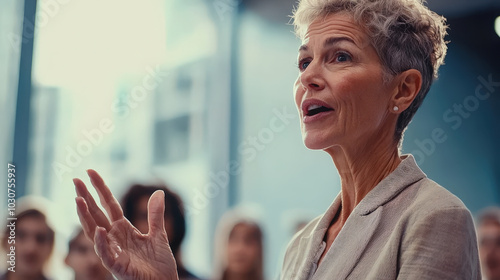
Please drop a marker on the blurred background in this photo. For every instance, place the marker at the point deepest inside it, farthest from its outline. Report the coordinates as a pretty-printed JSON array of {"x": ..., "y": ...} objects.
[{"x": 198, "y": 94}]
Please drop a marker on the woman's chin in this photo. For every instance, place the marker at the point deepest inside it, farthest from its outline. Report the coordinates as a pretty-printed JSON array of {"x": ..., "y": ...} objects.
[{"x": 314, "y": 143}]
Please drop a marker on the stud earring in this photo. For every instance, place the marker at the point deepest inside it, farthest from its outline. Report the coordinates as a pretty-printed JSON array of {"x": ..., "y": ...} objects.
[{"x": 396, "y": 108}]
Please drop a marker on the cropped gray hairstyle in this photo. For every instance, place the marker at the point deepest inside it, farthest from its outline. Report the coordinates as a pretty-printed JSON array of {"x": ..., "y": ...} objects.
[{"x": 405, "y": 34}]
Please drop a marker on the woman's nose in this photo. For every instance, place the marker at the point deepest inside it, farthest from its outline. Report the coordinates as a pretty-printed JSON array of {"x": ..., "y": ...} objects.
[{"x": 312, "y": 77}]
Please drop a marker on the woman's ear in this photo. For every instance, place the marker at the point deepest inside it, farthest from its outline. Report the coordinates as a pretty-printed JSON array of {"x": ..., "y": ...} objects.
[{"x": 408, "y": 87}]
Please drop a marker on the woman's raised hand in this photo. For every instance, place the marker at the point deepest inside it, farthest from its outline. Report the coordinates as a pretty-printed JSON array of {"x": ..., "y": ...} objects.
[{"x": 124, "y": 251}]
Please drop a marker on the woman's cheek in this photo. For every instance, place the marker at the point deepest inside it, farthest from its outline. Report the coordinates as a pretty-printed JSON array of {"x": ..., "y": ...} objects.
[{"x": 298, "y": 93}]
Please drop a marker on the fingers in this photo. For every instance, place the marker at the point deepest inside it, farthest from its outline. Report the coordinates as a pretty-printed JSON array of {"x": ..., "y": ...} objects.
[
  {"x": 156, "y": 213},
  {"x": 107, "y": 199},
  {"x": 94, "y": 210},
  {"x": 102, "y": 248},
  {"x": 87, "y": 221}
]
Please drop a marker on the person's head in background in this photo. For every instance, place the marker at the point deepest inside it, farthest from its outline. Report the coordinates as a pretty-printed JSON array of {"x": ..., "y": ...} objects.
[
  {"x": 83, "y": 259},
  {"x": 34, "y": 243},
  {"x": 238, "y": 248},
  {"x": 135, "y": 209},
  {"x": 488, "y": 234}
]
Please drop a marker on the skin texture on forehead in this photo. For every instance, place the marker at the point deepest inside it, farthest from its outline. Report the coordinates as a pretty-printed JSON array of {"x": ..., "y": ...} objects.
[{"x": 343, "y": 24}]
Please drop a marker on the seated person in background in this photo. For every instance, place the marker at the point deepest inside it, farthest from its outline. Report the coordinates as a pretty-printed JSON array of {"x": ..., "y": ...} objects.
[
  {"x": 83, "y": 259},
  {"x": 488, "y": 233},
  {"x": 238, "y": 248},
  {"x": 34, "y": 242},
  {"x": 135, "y": 209}
]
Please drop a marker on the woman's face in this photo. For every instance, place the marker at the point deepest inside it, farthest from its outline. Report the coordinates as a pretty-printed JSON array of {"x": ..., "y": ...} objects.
[
  {"x": 489, "y": 249},
  {"x": 340, "y": 93},
  {"x": 243, "y": 250},
  {"x": 84, "y": 261},
  {"x": 33, "y": 246}
]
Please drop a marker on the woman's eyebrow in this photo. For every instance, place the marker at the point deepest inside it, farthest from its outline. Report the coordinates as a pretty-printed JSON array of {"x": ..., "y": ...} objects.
[
  {"x": 329, "y": 42},
  {"x": 335, "y": 40}
]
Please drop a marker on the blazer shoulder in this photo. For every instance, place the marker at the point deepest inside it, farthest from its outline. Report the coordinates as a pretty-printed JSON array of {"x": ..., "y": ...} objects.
[
  {"x": 432, "y": 196},
  {"x": 426, "y": 199}
]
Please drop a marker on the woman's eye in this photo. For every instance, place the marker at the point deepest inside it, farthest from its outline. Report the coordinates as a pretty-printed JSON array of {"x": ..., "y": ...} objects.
[
  {"x": 342, "y": 57},
  {"x": 303, "y": 64}
]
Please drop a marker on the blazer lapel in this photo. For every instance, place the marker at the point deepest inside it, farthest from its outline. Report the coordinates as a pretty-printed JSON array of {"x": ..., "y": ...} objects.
[
  {"x": 306, "y": 249},
  {"x": 349, "y": 246},
  {"x": 309, "y": 245}
]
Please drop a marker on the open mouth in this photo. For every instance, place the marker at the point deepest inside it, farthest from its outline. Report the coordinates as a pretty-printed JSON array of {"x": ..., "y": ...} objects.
[{"x": 316, "y": 109}]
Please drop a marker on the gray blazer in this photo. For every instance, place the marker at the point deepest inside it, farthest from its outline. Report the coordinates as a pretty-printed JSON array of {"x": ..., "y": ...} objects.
[{"x": 407, "y": 227}]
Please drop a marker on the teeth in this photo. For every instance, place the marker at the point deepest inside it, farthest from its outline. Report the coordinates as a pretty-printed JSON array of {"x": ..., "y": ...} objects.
[{"x": 312, "y": 107}]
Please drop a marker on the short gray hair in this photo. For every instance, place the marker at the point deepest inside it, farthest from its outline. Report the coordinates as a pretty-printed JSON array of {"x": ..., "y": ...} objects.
[{"x": 405, "y": 34}]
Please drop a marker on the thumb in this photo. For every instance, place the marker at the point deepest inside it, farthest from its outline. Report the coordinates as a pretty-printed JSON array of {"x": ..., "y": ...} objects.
[{"x": 156, "y": 213}]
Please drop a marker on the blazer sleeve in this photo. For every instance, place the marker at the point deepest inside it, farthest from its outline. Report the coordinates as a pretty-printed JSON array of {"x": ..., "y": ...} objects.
[{"x": 441, "y": 244}]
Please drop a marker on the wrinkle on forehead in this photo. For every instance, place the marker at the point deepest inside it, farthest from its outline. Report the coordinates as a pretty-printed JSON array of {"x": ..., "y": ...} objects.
[{"x": 337, "y": 25}]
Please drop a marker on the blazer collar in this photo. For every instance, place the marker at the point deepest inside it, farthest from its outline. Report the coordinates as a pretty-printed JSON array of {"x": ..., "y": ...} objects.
[
  {"x": 355, "y": 241},
  {"x": 403, "y": 176}
]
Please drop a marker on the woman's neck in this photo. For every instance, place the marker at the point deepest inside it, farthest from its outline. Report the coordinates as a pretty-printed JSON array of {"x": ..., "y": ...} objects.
[{"x": 361, "y": 168}]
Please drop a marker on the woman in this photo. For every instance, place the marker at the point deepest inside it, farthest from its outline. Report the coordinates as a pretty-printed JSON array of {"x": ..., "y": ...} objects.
[
  {"x": 32, "y": 244},
  {"x": 238, "y": 247},
  {"x": 364, "y": 69},
  {"x": 488, "y": 235},
  {"x": 81, "y": 258}
]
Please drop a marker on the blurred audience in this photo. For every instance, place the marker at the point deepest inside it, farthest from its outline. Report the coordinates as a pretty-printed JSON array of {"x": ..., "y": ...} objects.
[
  {"x": 488, "y": 234},
  {"x": 300, "y": 225},
  {"x": 238, "y": 248},
  {"x": 83, "y": 259},
  {"x": 135, "y": 209},
  {"x": 34, "y": 243}
]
